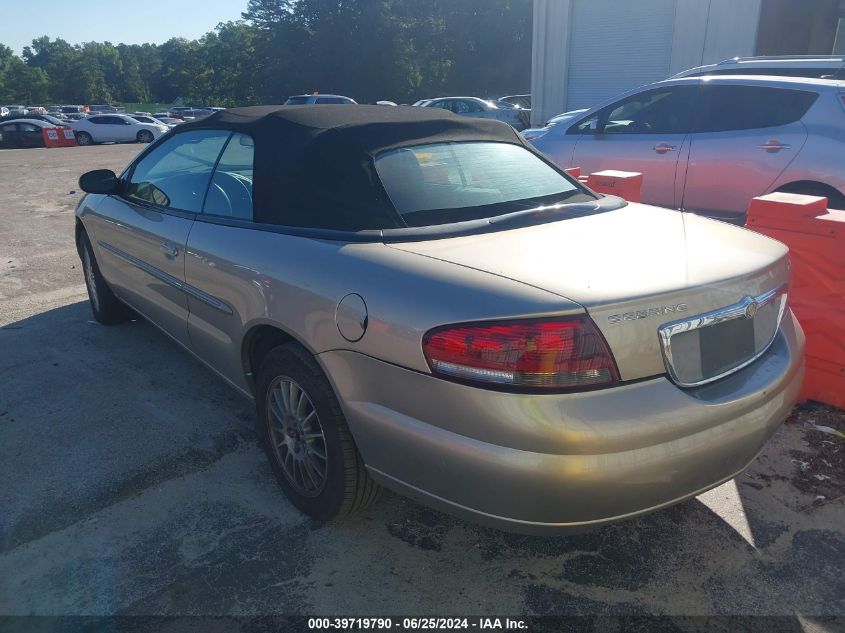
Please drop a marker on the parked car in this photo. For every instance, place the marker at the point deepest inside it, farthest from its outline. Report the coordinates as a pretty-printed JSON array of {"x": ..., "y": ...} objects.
[
  {"x": 710, "y": 145},
  {"x": 17, "y": 109},
  {"x": 196, "y": 113},
  {"x": 22, "y": 133},
  {"x": 169, "y": 121},
  {"x": 119, "y": 128},
  {"x": 812, "y": 66},
  {"x": 48, "y": 118},
  {"x": 102, "y": 108},
  {"x": 319, "y": 99},
  {"x": 533, "y": 133},
  {"x": 519, "y": 101},
  {"x": 479, "y": 108},
  {"x": 4, "y": 111},
  {"x": 75, "y": 116},
  {"x": 73, "y": 109},
  {"x": 420, "y": 103},
  {"x": 454, "y": 318},
  {"x": 149, "y": 119}
]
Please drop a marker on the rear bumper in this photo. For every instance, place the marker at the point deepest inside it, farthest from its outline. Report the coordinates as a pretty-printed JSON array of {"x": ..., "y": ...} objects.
[{"x": 544, "y": 463}]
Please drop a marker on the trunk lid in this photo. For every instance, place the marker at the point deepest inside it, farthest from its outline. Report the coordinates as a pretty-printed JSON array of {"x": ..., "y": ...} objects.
[{"x": 633, "y": 269}]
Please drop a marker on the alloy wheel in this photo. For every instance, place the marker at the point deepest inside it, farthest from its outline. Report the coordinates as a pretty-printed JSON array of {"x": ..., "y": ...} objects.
[
  {"x": 90, "y": 279},
  {"x": 297, "y": 437}
]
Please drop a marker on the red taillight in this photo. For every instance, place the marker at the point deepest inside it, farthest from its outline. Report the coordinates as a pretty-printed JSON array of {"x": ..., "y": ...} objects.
[{"x": 563, "y": 354}]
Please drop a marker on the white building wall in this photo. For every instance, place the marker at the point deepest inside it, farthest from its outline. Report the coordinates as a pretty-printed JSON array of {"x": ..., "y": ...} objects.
[
  {"x": 549, "y": 57},
  {"x": 701, "y": 32},
  {"x": 708, "y": 31}
]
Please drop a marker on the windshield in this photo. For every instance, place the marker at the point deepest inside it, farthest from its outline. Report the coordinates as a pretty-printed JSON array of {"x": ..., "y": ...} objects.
[{"x": 441, "y": 183}]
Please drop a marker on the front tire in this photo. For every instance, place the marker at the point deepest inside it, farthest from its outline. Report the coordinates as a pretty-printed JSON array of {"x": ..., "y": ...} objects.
[
  {"x": 304, "y": 433},
  {"x": 105, "y": 306},
  {"x": 83, "y": 138},
  {"x": 145, "y": 136}
]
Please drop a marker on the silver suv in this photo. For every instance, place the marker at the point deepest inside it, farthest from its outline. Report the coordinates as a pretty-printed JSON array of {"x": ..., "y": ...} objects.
[
  {"x": 710, "y": 144},
  {"x": 818, "y": 66}
]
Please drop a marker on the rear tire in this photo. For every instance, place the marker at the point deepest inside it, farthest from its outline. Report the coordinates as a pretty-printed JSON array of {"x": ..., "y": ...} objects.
[
  {"x": 145, "y": 136},
  {"x": 83, "y": 138},
  {"x": 327, "y": 489},
  {"x": 835, "y": 200},
  {"x": 105, "y": 306}
]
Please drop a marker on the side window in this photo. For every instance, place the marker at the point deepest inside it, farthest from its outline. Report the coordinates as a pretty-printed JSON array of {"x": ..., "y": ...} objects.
[
  {"x": 662, "y": 111},
  {"x": 583, "y": 126},
  {"x": 472, "y": 106},
  {"x": 728, "y": 108},
  {"x": 176, "y": 173},
  {"x": 460, "y": 107},
  {"x": 28, "y": 127},
  {"x": 230, "y": 192},
  {"x": 98, "y": 120}
]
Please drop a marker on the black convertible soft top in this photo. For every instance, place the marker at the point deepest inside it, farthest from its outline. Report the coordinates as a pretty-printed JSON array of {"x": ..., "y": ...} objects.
[{"x": 314, "y": 164}]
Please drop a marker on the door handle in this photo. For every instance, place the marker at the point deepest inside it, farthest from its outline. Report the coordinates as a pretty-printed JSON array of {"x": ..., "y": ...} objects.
[
  {"x": 773, "y": 146},
  {"x": 662, "y": 148},
  {"x": 170, "y": 250}
]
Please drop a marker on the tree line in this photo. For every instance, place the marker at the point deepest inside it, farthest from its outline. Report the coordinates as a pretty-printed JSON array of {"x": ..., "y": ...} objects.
[{"x": 401, "y": 50}]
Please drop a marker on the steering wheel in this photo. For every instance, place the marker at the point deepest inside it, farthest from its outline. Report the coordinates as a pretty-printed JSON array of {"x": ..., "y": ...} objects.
[
  {"x": 237, "y": 190},
  {"x": 216, "y": 194}
]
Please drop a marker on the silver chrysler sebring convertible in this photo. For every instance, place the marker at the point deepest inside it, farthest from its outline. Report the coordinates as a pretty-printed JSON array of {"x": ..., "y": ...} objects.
[{"x": 423, "y": 302}]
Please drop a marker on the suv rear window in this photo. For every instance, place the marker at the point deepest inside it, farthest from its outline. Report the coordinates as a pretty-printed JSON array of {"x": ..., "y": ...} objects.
[
  {"x": 441, "y": 183},
  {"x": 723, "y": 108}
]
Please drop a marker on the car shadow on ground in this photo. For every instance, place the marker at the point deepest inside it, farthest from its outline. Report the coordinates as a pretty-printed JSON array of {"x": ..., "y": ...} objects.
[{"x": 132, "y": 484}]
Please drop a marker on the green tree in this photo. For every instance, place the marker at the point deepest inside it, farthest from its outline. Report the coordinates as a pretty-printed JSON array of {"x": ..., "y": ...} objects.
[{"x": 401, "y": 50}]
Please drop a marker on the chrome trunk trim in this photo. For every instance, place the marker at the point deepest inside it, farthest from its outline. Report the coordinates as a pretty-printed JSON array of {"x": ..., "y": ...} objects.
[{"x": 747, "y": 307}]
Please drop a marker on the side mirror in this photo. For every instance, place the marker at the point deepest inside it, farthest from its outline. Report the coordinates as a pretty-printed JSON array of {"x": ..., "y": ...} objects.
[{"x": 102, "y": 181}]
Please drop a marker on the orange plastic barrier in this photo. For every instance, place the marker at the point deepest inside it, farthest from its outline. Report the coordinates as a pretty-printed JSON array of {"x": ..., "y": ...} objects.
[
  {"x": 625, "y": 184},
  {"x": 575, "y": 172},
  {"x": 58, "y": 137},
  {"x": 816, "y": 239}
]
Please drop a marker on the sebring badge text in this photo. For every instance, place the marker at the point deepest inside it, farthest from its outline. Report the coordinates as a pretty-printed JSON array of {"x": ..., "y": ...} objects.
[{"x": 648, "y": 312}]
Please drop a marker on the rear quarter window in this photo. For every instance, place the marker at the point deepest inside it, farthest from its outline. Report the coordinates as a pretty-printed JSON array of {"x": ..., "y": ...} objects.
[{"x": 725, "y": 108}]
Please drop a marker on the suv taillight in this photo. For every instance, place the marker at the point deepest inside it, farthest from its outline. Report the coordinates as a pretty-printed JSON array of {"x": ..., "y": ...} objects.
[{"x": 557, "y": 354}]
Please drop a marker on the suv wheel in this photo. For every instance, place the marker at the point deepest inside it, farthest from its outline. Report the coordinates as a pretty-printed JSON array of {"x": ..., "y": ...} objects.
[{"x": 835, "y": 200}]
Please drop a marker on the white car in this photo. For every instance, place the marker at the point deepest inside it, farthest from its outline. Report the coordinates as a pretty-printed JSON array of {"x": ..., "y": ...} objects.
[
  {"x": 155, "y": 120},
  {"x": 117, "y": 128}
]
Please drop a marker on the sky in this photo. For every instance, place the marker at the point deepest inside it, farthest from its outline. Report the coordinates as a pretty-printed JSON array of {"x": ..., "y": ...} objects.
[{"x": 115, "y": 21}]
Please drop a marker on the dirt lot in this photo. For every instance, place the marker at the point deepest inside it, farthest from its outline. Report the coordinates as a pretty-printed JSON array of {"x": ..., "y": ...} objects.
[{"x": 130, "y": 483}]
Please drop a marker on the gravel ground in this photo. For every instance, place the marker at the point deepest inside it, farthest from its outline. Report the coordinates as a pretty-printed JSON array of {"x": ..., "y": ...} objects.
[{"x": 130, "y": 483}]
